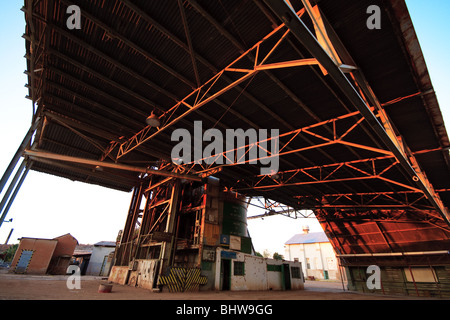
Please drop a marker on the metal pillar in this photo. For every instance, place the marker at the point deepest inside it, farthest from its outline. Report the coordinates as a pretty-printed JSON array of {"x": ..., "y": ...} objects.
[
  {"x": 167, "y": 247},
  {"x": 18, "y": 154},
  {"x": 9, "y": 236},
  {"x": 13, "y": 188}
]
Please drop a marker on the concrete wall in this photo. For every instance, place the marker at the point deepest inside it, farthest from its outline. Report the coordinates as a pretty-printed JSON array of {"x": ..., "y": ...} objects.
[
  {"x": 321, "y": 257},
  {"x": 255, "y": 277},
  {"x": 257, "y": 274}
]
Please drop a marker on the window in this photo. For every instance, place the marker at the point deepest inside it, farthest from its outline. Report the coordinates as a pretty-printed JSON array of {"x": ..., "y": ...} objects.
[
  {"x": 420, "y": 274},
  {"x": 274, "y": 267},
  {"x": 239, "y": 268},
  {"x": 295, "y": 273},
  {"x": 308, "y": 263}
]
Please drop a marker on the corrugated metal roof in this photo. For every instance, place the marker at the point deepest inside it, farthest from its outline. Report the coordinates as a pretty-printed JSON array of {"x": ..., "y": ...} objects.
[
  {"x": 105, "y": 244},
  {"x": 311, "y": 237}
]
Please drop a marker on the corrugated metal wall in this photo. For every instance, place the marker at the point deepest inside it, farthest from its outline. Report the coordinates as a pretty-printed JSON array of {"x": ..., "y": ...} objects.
[{"x": 398, "y": 281}]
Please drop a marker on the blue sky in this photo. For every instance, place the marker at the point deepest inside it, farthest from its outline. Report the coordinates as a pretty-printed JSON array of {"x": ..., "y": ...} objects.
[
  {"x": 49, "y": 206},
  {"x": 432, "y": 25}
]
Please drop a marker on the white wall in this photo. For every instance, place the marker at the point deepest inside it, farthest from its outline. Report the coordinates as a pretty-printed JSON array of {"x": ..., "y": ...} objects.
[
  {"x": 96, "y": 260},
  {"x": 321, "y": 257},
  {"x": 257, "y": 277}
]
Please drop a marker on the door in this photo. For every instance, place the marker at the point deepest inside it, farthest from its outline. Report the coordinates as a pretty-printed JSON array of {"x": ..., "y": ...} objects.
[
  {"x": 286, "y": 277},
  {"x": 225, "y": 268},
  {"x": 103, "y": 269},
  {"x": 24, "y": 261}
]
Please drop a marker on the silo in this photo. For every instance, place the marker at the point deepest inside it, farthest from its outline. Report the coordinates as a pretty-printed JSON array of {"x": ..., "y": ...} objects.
[
  {"x": 234, "y": 222},
  {"x": 234, "y": 215}
]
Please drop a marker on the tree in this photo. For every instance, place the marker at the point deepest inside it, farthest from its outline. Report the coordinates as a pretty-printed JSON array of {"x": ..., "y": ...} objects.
[
  {"x": 278, "y": 256},
  {"x": 11, "y": 252},
  {"x": 266, "y": 253}
]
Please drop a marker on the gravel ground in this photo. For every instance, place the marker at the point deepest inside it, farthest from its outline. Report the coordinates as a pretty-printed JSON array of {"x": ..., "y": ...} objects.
[{"x": 34, "y": 287}]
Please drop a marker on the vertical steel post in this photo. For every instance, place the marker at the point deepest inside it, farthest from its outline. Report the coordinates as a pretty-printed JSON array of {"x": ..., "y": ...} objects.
[
  {"x": 13, "y": 196},
  {"x": 125, "y": 245},
  {"x": 9, "y": 235},
  {"x": 414, "y": 281},
  {"x": 167, "y": 247},
  {"x": 10, "y": 190},
  {"x": 18, "y": 154}
]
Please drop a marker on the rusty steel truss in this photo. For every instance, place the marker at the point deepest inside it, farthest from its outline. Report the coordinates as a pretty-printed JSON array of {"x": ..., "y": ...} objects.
[{"x": 325, "y": 55}]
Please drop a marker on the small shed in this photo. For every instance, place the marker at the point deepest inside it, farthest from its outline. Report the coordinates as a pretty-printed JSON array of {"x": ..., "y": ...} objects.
[
  {"x": 81, "y": 256},
  {"x": 62, "y": 254},
  {"x": 101, "y": 258},
  {"x": 41, "y": 256}
]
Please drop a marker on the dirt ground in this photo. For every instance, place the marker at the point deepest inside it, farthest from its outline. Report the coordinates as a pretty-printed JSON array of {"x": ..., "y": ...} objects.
[{"x": 32, "y": 287}]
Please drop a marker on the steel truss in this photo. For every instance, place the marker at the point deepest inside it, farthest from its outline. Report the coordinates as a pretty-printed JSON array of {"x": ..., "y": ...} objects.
[
  {"x": 276, "y": 208},
  {"x": 287, "y": 139},
  {"x": 217, "y": 86},
  {"x": 325, "y": 54},
  {"x": 332, "y": 58}
]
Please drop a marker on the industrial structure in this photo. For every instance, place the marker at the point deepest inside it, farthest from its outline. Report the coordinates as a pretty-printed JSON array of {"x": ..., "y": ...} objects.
[{"x": 362, "y": 141}]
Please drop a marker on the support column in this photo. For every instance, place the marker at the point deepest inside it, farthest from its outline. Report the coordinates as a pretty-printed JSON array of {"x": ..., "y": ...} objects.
[
  {"x": 26, "y": 140},
  {"x": 167, "y": 247},
  {"x": 12, "y": 188},
  {"x": 14, "y": 194},
  {"x": 124, "y": 248}
]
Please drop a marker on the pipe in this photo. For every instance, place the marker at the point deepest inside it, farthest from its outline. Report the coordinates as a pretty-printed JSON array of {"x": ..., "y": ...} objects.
[{"x": 392, "y": 254}]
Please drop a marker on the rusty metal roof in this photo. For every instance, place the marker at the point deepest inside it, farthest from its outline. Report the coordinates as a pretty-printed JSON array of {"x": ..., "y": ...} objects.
[{"x": 96, "y": 86}]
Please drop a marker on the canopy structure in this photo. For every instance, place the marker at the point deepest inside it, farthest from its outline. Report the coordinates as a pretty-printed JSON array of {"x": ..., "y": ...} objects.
[{"x": 362, "y": 141}]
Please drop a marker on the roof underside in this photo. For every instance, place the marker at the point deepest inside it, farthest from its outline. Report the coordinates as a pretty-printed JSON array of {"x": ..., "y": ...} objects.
[{"x": 96, "y": 86}]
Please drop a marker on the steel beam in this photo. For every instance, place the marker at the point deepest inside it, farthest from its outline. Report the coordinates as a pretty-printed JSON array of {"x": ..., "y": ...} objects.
[
  {"x": 208, "y": 91},
  {"x": 117, "y": 166},
  {"x": 309, "y": 41}
]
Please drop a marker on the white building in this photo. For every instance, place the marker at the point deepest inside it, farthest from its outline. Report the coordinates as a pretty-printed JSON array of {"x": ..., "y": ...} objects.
[
  {"x": 315, "y": 253},
  {"x": 101, "y": 258},
  {"x": 240, "y": 271}
]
